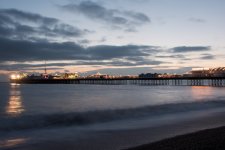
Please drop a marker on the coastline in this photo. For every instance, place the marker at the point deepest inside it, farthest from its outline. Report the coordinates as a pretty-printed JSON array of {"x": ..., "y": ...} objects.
[
  {"x": 204, "y": 139},
  {"x": 97, "y": 137}
]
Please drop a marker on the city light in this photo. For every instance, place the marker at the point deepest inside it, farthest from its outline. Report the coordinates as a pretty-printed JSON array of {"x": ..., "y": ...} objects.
[{"x": 15, "y": 76}]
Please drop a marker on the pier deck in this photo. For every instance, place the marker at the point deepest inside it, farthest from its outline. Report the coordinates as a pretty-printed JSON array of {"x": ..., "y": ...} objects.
[{"x": 181, "y": 81}]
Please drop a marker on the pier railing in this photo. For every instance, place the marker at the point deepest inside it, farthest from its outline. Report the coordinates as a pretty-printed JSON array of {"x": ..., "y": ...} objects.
[{"x": 181, "y": 81}]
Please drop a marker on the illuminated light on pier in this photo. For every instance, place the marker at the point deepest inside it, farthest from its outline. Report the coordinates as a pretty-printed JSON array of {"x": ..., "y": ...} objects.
[
  {"x": 18, "y": 76},
  {"x": 15, "y": 76}
]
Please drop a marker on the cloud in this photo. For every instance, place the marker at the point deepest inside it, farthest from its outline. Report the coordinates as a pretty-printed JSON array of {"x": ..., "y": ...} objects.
[
  {"x": 60, "y": 66},
  {"x": 185, "y": 49},
  {"x": 84, "y": 41},
  {"x": 16, "y": 24},
  {"x": 23, "y": 50},
  {"x": 109, "y": 52},
  {"x": 28, "y": 67},
  {"x": 103, "y": 39},
  {"x": 197, "y": 20},
  {"x": 20, "y": 51},
  {"x": 207, "y": 56},
  {"x": 117, "y": 63},
  {"x": 171, "y": 56},
  {"x": 126, "y": 20},
  {"x": 137, "y": 16},
  {"x": 16, "y": 53},
  {"x": 25, "y": 16}
]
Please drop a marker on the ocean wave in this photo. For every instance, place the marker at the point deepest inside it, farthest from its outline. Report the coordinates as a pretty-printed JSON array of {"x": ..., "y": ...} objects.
[{"x": 101, "y": 116}]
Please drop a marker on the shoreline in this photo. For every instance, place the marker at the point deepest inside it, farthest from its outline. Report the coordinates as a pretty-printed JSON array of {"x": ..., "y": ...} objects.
[
  {"x": 93, "y": 137},
  {"x": 204, "y": 139}
]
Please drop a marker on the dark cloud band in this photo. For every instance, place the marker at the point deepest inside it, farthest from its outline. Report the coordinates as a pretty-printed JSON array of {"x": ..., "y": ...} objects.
[
  {"x": 22, "y": 50},
  {"x": 18, "y": 24},
  {"x": 185, "y": 49}
]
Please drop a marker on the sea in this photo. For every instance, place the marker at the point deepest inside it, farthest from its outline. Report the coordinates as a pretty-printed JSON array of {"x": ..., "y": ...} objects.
[{"x": 76, "y": 116}]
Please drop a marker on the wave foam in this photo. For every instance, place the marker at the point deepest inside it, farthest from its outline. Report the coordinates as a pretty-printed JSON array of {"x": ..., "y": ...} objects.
[{"x": 91, "y": 117}]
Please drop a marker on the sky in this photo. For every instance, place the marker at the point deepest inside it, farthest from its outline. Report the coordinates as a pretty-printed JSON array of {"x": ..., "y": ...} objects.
[{"x": 117, "y": 37}]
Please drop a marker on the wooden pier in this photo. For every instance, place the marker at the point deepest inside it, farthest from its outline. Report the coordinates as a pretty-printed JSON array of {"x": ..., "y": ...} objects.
[{"x": 187, "y": 81}]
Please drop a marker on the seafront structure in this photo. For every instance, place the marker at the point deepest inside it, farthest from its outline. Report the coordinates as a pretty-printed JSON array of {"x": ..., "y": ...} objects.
[
  {"x": 20, "y": 76},
  {"x": 159, "y": 75},
  {"x": 210, "y": 72},
  {"x": 203, "y": 77}
]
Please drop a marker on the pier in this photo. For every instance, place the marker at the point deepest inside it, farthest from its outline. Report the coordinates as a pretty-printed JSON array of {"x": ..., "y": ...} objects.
[{"x": 182, "y": 81}]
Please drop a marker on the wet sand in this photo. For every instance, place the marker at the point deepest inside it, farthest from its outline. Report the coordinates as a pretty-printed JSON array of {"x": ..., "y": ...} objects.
[{"x": 211, "y": 139}]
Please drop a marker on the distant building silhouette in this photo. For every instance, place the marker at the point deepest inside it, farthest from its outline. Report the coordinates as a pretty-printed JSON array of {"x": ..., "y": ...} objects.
[{"x": 211, "y": 72}]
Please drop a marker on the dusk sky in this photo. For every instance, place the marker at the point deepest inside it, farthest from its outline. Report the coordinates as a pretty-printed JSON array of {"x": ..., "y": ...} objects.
[{"x": 79, "y": 35}]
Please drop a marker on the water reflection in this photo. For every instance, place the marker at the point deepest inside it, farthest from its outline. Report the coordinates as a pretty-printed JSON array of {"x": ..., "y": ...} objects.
[
  {"x": 15, "y": 106},
  {"x": 12, "y": 142},
  {"x": 201, "y": 92}
]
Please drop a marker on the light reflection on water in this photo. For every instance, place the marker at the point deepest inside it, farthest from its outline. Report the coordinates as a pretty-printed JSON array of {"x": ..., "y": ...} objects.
[
  {"x": 15, "y": 106},
  {"x": 12, "y": 142},
  {"x": 27, "y": 99},
  {"x": 201, "y": 92}
]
